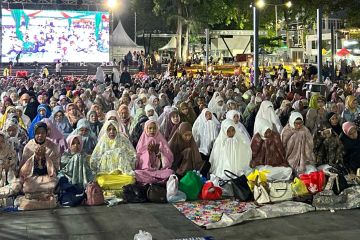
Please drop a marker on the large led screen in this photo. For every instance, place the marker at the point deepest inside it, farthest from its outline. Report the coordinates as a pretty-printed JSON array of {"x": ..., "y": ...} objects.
[{"x": 51, "y": 35}]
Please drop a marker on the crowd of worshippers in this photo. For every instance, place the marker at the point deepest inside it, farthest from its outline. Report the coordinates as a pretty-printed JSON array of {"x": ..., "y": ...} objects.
[{"x": 84, "y": 131}]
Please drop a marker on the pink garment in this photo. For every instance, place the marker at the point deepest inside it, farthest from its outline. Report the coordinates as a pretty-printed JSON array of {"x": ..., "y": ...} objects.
[
  {"x": 347, "y": 126},
  {"x": 55, "y": 135},
  {"x": 71, "y": 138},
  {"x": 151, "y": 168}
]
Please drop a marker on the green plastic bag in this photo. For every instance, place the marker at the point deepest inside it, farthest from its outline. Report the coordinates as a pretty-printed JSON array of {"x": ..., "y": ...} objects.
[{"x": 191, "y": 185}]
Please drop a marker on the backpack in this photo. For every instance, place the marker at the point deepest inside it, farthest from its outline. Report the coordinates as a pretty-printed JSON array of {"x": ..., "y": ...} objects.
[{"x": 94, "y": 194}]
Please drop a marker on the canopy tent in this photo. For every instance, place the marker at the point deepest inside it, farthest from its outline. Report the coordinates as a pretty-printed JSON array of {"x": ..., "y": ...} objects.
[
  {"x": 121, "y": 39},
  {"x": 170, "y": 45},
  {"x": 343, "y": 52}
]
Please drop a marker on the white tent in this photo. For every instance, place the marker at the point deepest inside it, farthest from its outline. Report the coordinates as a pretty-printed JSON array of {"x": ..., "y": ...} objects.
[
  {"x": 170, "y": 45},
  {"x": 121, "y": 43},
  {"x": 121, "y": 39}
]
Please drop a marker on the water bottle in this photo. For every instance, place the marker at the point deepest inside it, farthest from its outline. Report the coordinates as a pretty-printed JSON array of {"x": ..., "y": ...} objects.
[{"x": 142, "y": 235}]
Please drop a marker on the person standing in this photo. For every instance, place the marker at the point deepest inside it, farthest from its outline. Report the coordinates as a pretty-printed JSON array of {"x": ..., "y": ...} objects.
[
  {"x": 100, "y": 75},
  {"x": 58, "y": 67}
]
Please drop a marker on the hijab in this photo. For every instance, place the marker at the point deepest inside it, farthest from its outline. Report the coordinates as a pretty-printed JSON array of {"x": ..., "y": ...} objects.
[
  {"x": 64, "y": 125},
  {"x": 230, "y": 115},
  {"x": 233, "y": 154},
  {"x": 266, "y": 111},
  {"x": 38, "y": 118},
  {"x": 205, "y": 131},
  {"x": 337, "y": 129}
]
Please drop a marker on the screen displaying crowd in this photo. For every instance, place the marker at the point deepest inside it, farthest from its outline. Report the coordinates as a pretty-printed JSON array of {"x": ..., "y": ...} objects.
[{"x": 51, "y": 35}]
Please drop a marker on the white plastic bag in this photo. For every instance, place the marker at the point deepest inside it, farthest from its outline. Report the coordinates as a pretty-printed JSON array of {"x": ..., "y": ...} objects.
[
  {"x": 173, "y": 194},
  {"x": 276, "y": 173},
  {"x": 142, "y": 235}
]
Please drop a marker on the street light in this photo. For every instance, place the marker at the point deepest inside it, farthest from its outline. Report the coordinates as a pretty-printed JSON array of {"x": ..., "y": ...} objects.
[
  {"x": 262, "y": 4},
  {"x": 112, "y": 3}
]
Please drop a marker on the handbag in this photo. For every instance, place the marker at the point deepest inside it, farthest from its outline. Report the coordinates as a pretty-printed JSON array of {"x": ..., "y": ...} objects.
[
  {"x": 210, "y": 192},
  {"x": 280, "y": 191},
  {"x": 261, "y": 195},
  {"x": 135, "y": 193},
  {"x": 336, "y": 181},
  {"x": 240, "y": 186},
  {"x": 191, "y": 185},
  {"x": 156, "y": 193}
]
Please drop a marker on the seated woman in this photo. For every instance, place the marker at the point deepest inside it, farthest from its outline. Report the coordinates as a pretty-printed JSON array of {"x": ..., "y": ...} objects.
[
  {"x": 61, "y": 122},
  {"x": 17, "y": 137},
  {"x": 11, "y": 110},
  {"x": 267, "y": 112},
  {"x": 236, "y": 117},
  {"x": 298, "y": 144},
  {"x": 112, "y": 116},
  {"x": 125, "y": 118},
  {"x": 186, "y": 153},
  {"x": 8, "y": 161},
  {"x": 230, "y": 151},
  {"x": 42, "y": 112},
  {"x": 113, "y": 159},
  {"x": 73, "y": 114},
  {"x": 55, "y": 135},
  {"x": 205, "y": 131},
  {"x": 316, "y": 115},
  {"x": 88, "y": 137},
  {"x": 100, "y": 113},
  {"x": 150, "y": 112},
  {"x": 138, "y": 126},
  {"x": 351, "y": 141},
  {"x": 334, "y": 120},
  {"x": 351, "y": 110},
  {"x": 40, "y": 162},
  {"x": 154, "y": 156},
  {"x": 328, "y": 148},
  {"x": 95, "y": 124},
  {"x": 267, "y": 148},
  {"x": 187, "y": 113},
  {"x": 170, "y": 124},
  {"x": 74, "y": 163}
]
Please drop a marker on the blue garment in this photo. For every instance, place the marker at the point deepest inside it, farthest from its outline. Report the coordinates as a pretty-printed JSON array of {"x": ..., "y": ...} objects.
[
  {"x": 64, "y": 126},
  {"x": 38, "y": 119}
]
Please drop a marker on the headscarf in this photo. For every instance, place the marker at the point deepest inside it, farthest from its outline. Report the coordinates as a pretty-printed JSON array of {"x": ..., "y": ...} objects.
[
  {"x": 71, "y": 138},
  {"x": 178, "y": 145},
  {"x": 230, "y": 115},
  {"x": 293, "y": 117},
  {"x": 140, "y": 112},
  {"x": 313, "y": 101},
  {"x": 64, "y": 125},
  {"x": 337, "y": 129},
  {"x": 73, "y": 118},
  {"x": 89, "y": 139},
  {"x": 266, "y": 111},
  {"x": 6, "y": 116},
  {"x": 190, "y": 117},
  {"x": 113, "y": 154},
  {"x": 120, "y": 126},
  {"x": 145, "y": 160},
  {"x": 55, "y": 135},
  {"x": 298, "y": 145},
  {"x": 348, "y": 102},
  {"x": 264, "y": 126},
  {"x": 38, "y": 118},
  {"x": 149, "y": 107},
  {"x": 233, "y": 154},
  {"x": 205, "y": 132},
  {"x": 347, "y": 126},
  {"x": 167, "y": 127}
]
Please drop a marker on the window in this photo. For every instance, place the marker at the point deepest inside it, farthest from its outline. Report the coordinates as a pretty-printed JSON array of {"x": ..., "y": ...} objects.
[{"x": 323, "y": 24}]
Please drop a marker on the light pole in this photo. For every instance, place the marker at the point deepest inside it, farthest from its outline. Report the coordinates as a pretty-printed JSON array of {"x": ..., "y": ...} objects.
[
  {"x": 256, "y": 45},
  {"x": 262, "y": 3}
]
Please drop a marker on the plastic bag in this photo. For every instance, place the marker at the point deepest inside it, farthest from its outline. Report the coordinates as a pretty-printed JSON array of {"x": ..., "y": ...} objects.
[
  {"x": 299, "y": 188},
  {"x": 276, "y": 173},
  {"x": 191, "y": 185},
  {"x": 173, "y": 194},
  {"x": 142, "y": 235},
  {"x": 254, "y": 176}
]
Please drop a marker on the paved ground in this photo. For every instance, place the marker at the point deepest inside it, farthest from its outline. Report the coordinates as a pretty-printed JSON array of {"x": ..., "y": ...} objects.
[{"x": 163, "y": 221}]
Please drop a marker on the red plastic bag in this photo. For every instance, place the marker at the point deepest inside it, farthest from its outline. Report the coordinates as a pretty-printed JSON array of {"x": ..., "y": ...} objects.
[
  {"x": 314, "y": 181},
  {"x": 210, "y": 192}
]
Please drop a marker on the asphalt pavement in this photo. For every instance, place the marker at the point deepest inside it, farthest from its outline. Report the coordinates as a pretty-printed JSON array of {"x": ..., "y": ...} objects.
[{"x": 163, "y": 221}]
